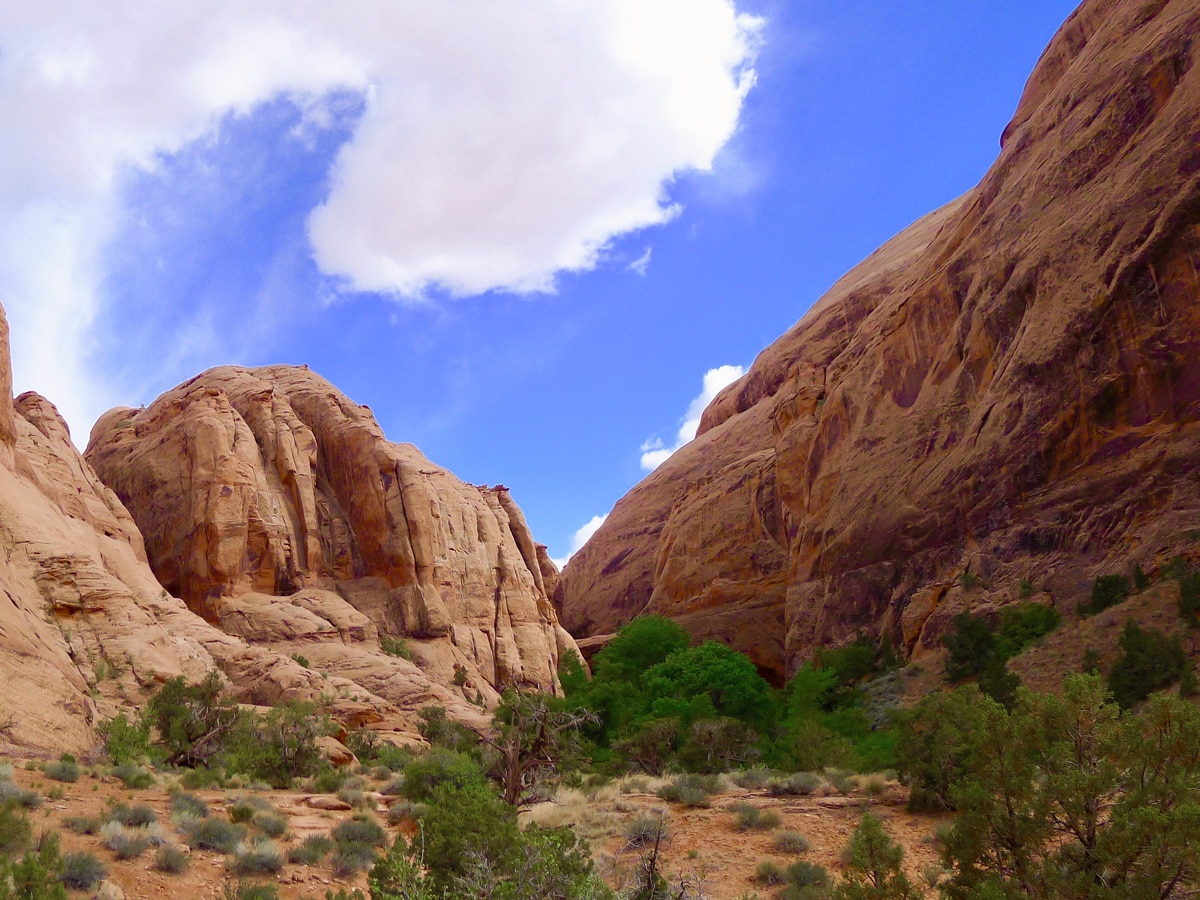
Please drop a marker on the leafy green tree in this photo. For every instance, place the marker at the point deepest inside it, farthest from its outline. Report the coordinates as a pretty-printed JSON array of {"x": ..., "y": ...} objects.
[
  {"x": 1149, "y": 661},
  {"x": 873, "y": 868},
  {"x": 125, "y": 742},
  {"x": 728, "y": 678},
  {"x": 652, "y": 746},
  {"x": 970, "y": 645},
  {"x": 938, "y": 744},
  {"x": 644, "y": 642},
  {"x": 1069, "y": 798},
  {"x": 437, "y": 768},
  {"x": 533, "y": 738},
  {"x": 717, "y": 745},
  {"x": 997, "y": 682},
  {"x": 192, "y": 720},
  {"x": 279, "y": 746},
  {"x": 1107, "y": 590}
]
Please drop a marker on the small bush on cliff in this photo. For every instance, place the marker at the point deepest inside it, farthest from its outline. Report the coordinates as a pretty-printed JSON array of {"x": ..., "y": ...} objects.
[
  {"x": 1150, "y": 660},
  {"x": 1107, "y": 591}
]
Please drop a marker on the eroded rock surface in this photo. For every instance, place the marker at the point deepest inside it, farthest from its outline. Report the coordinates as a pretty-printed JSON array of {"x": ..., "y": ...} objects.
[
  {"x": 87, "y": 630},
  {"x": 276, "y": 509},
  {"x": 1009, "y": 389}
]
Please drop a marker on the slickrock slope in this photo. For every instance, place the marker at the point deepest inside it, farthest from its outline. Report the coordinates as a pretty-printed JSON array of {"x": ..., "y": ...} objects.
[
  {"x": 1008, "y": 389},
  {"x": 277, "y": 510},
  {"x": 86, "y": 629}
]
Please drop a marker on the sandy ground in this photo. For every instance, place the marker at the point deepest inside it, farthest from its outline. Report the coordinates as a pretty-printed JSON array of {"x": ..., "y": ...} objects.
[{"x": 703, "y": 844}]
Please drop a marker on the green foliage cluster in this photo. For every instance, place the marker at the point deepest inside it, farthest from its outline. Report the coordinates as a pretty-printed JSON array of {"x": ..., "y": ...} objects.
[
  {"x": 37, "y": 875},
  {"x": 470, "y": 848},
  {"x": 1149, "y": 661},
  {"x": 974, "y": 649},
  {"x": 1063, "y": 796},
  {"x": 661, "y": 703},
  {"x": 873, "y": 866},
  {"x": 1107, "y": 591}
]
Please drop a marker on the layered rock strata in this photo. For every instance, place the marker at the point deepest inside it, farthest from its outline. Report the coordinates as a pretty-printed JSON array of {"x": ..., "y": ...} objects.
[
  {"x": 1007, "y": 390},
  {"x": 277, "y": 510}
]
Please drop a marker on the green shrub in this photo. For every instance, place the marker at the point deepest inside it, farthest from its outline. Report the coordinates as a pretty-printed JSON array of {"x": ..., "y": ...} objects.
[
  {"x": 65, "y": 769},
  {"x": 791, "y": 842},
  {"x": 359, "y": 831},
  {"x": 15, "y": 830},
  {"x": 939, "y": 741},
  {"x": 257, "y": 857},
  {"x": 718, "y": 744},
  {"x": 803, "y": 874},
  {"x": 269, "y": 823},
  {"x": 349, "y": 859},
  {"x": 997, "y": 682},
  {"x": 769, "y": 874},
  {"x": 800, "y": 784},
  {"x": 1022, "y": 624},
  {"x": 171, "y": 859},
  {"x": 81, "y": 871},
  {"x": 83, "y": 824},
  {"x": 328, "y": 781},
  {"x": 752, "y": 779},
  {"x": 1189, "y": 596},
  {"x": 397, "y": 647},
  {"x": 138, "y": 816},
  {"x": 300, "y": 660},
  {"x": 14, "y": 793},
  {"x": 200, "y": 778},
  {"x": 1107, "y": 590},
  {"x": 193, "y": 721},
  {"x": 124, "y": 844},
  {"x": 183, "y": 803},
  {"x": 125, "y": 742},
  {"x": 645, "y": 830},
  {"x": 133, "y": 776},
  {"x": 241, "y": 811},
  {"x": 278, "y": 747},
  {"x": 1150, "y": 660},
  {"x": 425, "y": 774},
  {"x": 398, "y": 812},
  {"x": 220, "y": 835},
  {"x": 311, "y": 850},
  {"x": 689, "y": 790},
  {"x": 873, "y": 866},
  {"x": 245, "y": 890},
  {"x": 970, "y": 644}
]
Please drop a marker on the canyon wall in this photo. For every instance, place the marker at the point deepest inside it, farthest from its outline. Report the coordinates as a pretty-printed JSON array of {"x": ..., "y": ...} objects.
[{"x": 1008, "y": 390}]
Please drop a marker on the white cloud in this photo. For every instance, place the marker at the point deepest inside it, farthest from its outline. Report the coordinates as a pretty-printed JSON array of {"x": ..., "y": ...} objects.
[
  {"x": 580, "y": 538},
  {"x": 500, "y": 144},
  {"x": 641, "y": 264},
  {"x": 655, "y": 452}
]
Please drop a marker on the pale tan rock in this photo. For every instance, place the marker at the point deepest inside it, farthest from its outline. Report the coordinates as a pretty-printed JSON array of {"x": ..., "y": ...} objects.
[
  {"x": 326, "y": 802},
  {"x": 252, "y": 484},
  {"x": 1012, "y": 380},
  {"x": 336, "y": 752}
]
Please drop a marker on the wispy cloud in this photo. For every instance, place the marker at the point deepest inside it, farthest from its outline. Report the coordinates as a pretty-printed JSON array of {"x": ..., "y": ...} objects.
[
  {"x": 497, "y": 145},
  {"x": 641, "y": 264},
  {"x": 581, "y": 537},
  {"x": 655, "y": 451}
]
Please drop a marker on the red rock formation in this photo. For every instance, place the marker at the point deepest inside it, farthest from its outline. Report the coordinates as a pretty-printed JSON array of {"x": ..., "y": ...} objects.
[
  {"x": 86, "y": 629},
  {"x": 1010, "y": 387},
  {"x": 250, "y": 485}
]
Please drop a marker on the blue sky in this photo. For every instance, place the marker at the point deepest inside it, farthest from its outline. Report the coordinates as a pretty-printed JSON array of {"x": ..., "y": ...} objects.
[{"x": 527, "y": 259}]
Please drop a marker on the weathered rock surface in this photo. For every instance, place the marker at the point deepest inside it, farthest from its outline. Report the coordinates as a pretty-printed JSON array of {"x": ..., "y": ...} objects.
[
  {"x": 86, "y": 629},
  {"x": 1010, "y": 388},
  {"x": 276, "y": 509}
]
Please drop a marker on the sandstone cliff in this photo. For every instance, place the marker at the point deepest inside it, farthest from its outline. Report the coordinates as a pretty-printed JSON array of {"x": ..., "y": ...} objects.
[
  {"x": 277, "y": 510},
  {"x": 1009, "y": 389},
  {"x": 86, "y": 629}
]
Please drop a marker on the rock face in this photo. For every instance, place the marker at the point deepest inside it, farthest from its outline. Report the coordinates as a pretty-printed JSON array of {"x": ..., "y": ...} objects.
[
  {"x": 1009, "y": 389},
  {"x": 277, "y": 510},
  {"x": 86, "y": 629}
]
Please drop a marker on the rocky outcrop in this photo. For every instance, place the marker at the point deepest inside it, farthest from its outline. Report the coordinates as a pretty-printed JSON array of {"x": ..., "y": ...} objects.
[
  {"x": 1009, "y": 389},
  {"x": 86, "y": 629},
  {"x": 276, "y": 509}
]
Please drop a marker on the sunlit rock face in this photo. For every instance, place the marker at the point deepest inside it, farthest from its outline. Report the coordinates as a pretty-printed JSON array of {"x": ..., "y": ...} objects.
[
  {"x": 1008, "y": 389},
  {"x": 277, "y": 510}
]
